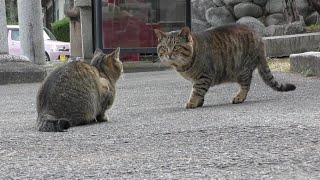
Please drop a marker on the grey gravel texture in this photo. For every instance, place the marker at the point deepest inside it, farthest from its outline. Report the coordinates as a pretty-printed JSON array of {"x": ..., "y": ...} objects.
[{"x": 151, "y": 135}]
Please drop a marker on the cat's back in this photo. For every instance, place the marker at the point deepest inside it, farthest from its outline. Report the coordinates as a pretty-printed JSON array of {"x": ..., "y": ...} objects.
[
  {"x": 231, "y": 30},
  {"x": 229, "y": 38},
  {"x": 67, "y": 81}
]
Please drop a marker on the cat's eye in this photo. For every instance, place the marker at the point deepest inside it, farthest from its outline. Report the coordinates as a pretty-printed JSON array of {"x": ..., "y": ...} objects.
[{"x": 163, "y": 48}]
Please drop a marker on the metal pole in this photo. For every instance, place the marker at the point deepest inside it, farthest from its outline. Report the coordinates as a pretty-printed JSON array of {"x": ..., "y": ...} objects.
[
  {"x": 31, "y": 30},
  {"x": 3, "y": 29},
  {"x": 98, "y": 24}
]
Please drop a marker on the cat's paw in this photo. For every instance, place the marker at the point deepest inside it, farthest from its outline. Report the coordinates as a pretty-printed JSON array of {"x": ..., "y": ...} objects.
[
  {"x": 237, "y": 100},
  {"x": 192, "y": 105}
]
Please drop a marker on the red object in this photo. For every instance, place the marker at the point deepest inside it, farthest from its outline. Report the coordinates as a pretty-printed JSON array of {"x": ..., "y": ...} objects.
[{"x": 129, "y": 32}]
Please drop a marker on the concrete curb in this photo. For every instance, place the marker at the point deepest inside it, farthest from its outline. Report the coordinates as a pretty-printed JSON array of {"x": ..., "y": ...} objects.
[
  {"x": 130, "y": 66},
  {"x": 21, "y": 72},
  {"x": 143, "y": 66},
  {"x": 281, "y": 46},
  {"x": 307, "y": 63}
]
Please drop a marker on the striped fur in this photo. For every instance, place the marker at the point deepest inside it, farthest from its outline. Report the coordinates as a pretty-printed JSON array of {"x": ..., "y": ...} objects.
[
  {"x": 227, "y": 53},
  {"x": 78, "y": 93}
]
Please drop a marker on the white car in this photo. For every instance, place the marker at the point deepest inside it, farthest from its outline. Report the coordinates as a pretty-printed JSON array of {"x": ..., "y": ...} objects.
[{"x": 54, "y": 50}]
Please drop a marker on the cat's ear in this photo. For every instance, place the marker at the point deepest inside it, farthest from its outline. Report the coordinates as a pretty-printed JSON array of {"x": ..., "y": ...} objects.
[
  {"x": 98, "y": 51},
  {"x": 116, "y": 53},
  {"x": 185, "y": 32},
  {"x": 160, "y": 34}
]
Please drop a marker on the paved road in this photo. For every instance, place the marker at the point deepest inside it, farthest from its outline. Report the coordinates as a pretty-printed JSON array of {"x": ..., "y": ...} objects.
[{"x": 151, "y": 136}]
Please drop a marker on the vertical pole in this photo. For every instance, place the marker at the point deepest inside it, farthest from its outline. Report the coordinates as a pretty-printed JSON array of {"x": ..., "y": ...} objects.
[
  {"x": 31, "y": 30},
  {"x": 3, "y": 29},
  {"x": 98, "y": 24}
]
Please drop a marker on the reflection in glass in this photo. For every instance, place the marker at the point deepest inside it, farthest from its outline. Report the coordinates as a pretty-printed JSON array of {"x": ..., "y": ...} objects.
[{"x": 130, "y": 23}]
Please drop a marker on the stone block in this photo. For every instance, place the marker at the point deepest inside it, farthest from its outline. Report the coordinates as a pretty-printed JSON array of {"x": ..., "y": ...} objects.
[
  {"x": 260, "y": 2},
  {"x": 296, "y": 27},
  {"x": 234, "y": 2},
  {"x": 275, "y": 19},
  {"x": 198, "y": 25},
  {"x": 253, "y": 23},
  {"x": 247, "y": 9},
  {"x": 274, "y": 30},
  {"x": 218, "y": 16},
  {"x": 281, "y": 46},
  {"x": 274, "y": 6},
  {"x": 218, "y": 3},
  {"x": 306, "y": 62},
  {"x": 199, "y": 8},
  {"x": 21, "y": 72}
]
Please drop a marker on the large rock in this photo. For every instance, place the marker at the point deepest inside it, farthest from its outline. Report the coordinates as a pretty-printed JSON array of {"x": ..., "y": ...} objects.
[
  {"x": 218, "y": 3},
  {"x": 274, "y": 30},
  {"x": 199, "y": 8},
  {"x": 274, "y": 6},
  {"x": 253, "y": 23},
  {"x": 261, "y": 3},
  {"x": 234, "y": 2},
  {"x": 303, "y": 7},
  {"x": 296, "y": 27},
  {"x": 247, "y": 9},
  {"x": 198, "y": 25},
  {"x": 218, "y": 16},
  {"x": 306, "y": 62},
  {"x": 312, "y": 18},
  {"x": 275, "y": 19}
]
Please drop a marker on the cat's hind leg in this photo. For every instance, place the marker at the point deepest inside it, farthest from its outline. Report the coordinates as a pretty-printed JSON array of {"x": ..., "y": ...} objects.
[{"x": 244, "y": 82}]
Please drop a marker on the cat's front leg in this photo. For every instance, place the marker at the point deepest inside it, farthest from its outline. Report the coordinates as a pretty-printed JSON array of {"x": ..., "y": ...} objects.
[{"x": 199, "y": 89}]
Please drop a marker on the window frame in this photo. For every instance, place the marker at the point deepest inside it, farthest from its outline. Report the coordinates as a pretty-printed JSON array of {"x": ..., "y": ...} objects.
[{"x": 97, "y": 30}]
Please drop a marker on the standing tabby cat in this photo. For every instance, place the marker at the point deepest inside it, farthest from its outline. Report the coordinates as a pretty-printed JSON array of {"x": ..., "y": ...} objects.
[
  {"x": 228, "y": 53},
  {"x": 78, "y": 93}
]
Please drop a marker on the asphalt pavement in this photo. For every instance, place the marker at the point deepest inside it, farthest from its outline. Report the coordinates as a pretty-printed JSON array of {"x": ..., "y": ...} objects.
[{"x": 151, "y": 135}]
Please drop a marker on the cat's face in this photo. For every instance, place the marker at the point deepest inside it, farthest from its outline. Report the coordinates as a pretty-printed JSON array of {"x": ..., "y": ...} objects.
[
  {"x": 110, "y": 64},
  {"x": 175, "y": 48}
]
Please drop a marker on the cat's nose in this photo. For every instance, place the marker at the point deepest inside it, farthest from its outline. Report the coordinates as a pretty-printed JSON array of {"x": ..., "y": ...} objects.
[{"x": 170, "y": 55}]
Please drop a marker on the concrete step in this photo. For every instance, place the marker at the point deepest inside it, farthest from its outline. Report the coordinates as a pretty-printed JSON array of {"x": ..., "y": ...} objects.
[{"x": 307, "y": 63}]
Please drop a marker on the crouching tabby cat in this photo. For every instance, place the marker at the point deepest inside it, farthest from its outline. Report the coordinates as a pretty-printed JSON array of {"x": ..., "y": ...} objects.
[
  {"x": 78, "y": 93},
  {"x": 228, "y": 53}
]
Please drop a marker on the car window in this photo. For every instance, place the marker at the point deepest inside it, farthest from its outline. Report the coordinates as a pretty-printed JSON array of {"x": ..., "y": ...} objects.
[
  {"x": 15, "y": 35},
  {"x": 47, "y": 35}
]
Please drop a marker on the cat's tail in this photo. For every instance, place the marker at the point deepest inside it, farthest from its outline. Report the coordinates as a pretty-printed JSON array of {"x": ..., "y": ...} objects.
[
  {"x": 268, "y": 78},
  {"x": 48, "y": 123}
]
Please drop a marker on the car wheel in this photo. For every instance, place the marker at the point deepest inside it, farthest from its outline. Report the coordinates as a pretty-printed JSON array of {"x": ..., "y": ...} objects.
[{"x": 46, "y": 57}]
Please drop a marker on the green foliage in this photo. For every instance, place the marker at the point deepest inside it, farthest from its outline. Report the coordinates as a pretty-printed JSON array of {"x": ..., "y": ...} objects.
[
  {"x": 61, "y": 29},
  {"x": 313, "y": 28},
  {"x": 10, "y": 22}
]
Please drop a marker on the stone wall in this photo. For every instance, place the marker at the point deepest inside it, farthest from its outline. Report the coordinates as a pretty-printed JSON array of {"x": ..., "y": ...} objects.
[{"x": 265, "y": 16}]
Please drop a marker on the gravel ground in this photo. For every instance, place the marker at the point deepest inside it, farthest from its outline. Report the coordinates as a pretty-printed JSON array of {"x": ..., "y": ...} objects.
[{"x": 151, "y": 135}]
